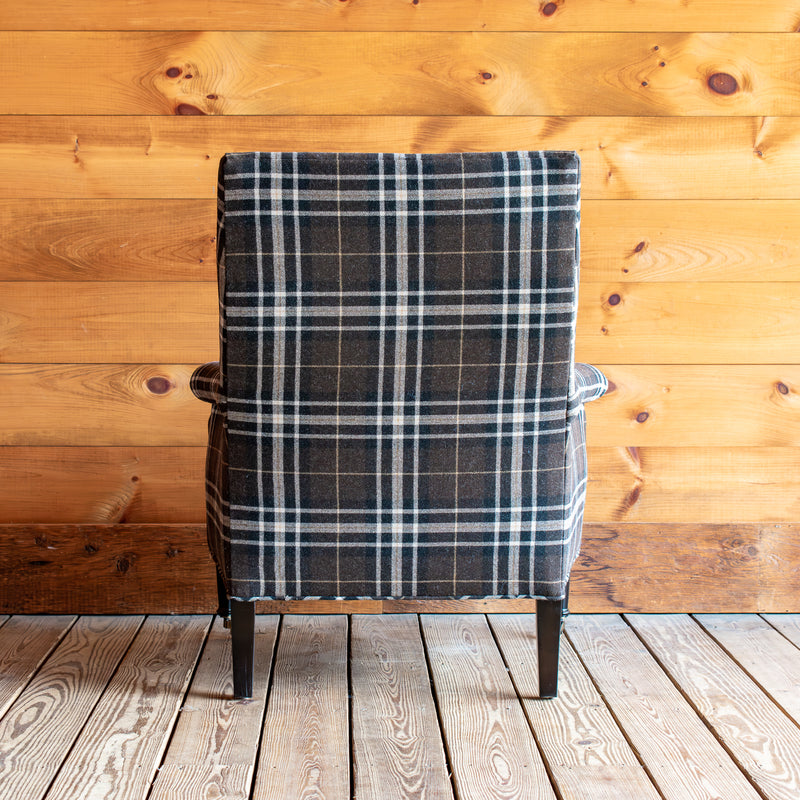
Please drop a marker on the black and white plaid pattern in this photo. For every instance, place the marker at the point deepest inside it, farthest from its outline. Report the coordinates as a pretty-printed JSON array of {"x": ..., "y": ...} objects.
[{"x": 399, "y": 415}]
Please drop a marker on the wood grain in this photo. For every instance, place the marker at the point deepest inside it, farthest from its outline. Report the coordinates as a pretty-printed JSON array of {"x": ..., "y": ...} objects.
[
  {"x": 119, "y": 240},
  {"x": 689, "y": 240},
  {"x": 177, "y": 322},
  {"x": 621, "y": 240},
  {"x": 60, "y": 698},
  {"x": 649, "y": 405},
  {"x": 696, "y": 485},
  {"x": 716, "y": 158},
  {"x": 102, "y": 485},
  {"x": 305, "y": 747},
  {"x": 694, "y": 323},
  {"x": 585, "y": 751},
  {"x": 488, "y": 740},
  {"x": 128, "y": 732},
  {"x": 95, "y": 485},
  {"x": 728, "y": 700},
  {"x": 787, "y": 624},
  {"x": 160, "y": 569},
  {"x": 216, "y": 738},
  {"x": 101, "y": 569},
  {"x": 681, "y": 754},
  {"x": 494, "y": 73},
  {"x": 25, "y": 642},
  {"x": 94, "y": 404},
  {"x": 397, "y": 749},
  {"x": 693, "y": 406},
  {"x": 767, "y": 656},
  {"x": 405, "y": 15},
  {"x": 124, "y": 322}
]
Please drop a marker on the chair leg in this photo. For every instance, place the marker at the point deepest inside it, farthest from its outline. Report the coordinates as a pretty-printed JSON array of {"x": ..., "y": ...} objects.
[
  {"x": 243, "y": 620},
  {"x": 549, "y": 615}
]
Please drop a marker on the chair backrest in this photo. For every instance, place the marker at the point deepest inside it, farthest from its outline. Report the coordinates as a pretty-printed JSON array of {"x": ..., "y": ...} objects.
[{"x": 375, "y": 310}]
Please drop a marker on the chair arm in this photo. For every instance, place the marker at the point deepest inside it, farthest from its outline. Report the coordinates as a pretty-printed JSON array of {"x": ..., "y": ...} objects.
[
  {"x": 206, "y": 382},
  {"x": 589, "y": 384}
]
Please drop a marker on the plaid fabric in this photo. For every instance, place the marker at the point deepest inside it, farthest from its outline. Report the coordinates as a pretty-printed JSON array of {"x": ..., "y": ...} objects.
[{"x": 398, "y": 399}]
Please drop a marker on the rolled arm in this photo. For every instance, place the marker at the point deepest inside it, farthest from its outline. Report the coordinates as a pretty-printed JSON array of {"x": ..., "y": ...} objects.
[
  {"x": 206, "y": 382},
  {"x": 589, "y": 384}
]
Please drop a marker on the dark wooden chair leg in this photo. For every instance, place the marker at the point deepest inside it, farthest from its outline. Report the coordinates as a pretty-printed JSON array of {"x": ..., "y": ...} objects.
[
  {"x": 224, "y": 608},
  {"x": 548, "y": 635},
  {"x": 243, "y": 621}
]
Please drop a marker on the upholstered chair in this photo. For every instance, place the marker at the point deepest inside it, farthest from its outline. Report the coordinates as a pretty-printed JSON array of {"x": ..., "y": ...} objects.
[{"x": 396, "y": 412}]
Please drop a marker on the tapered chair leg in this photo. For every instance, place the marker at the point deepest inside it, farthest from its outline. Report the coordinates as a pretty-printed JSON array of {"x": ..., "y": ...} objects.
[
  {"x": 243, "y": 621},
  {"x": 548, "y": 635}
]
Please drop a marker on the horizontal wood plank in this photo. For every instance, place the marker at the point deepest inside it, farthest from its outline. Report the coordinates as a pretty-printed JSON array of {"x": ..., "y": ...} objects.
[
  {"x": 688, "y": 323},
  {"x": 405, "y": 15},
  {"x": 689, "y": 240},
  {"x": 92, "y": 404},
  {"x": 102, "y": 485},
  {"x": 158, "y": 568},
  {"x": 621, "y": 240},
  {"x": 177, "y": 322},
  {"x": 494, "y": 73},
  {"x": 622, "y": 157},
  {"x": 110, "y": 240},
  {"x": 95, "y": 485},
  {"x": 60, "y": 698},
  {"x": 693, "y": 406},
  {"x": 648, "y": 406},
  {"x": 109, "y": 322}
]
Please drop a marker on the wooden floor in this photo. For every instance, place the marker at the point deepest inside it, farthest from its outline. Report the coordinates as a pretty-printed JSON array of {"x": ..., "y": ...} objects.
[{"x": 402, "y": 706}]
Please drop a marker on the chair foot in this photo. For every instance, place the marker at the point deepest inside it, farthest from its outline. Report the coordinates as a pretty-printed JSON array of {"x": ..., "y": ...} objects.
[
  {"x": 243, "y": 620},
  {"x": 549, "y": 619}
]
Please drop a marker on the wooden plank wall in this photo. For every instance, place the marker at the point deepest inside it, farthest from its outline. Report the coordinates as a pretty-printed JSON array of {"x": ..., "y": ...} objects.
[{"x": 687, "y": 119}]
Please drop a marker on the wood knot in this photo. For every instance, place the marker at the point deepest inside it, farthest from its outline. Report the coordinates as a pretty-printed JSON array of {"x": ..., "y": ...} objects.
[
  {"x": 782, "y": 387},
  {"x": 722, "y": 83},
  {"x": 548, "y": 9},
  {"x": 123, "y": 564},
  {"x": 158, "y": 385},
  {"x": 614, "y": 299},
  {"x": 186, "y": 110},
  {"x": 642, "y": 416},
  {"x": 487, "y": 76},
  {"x": 91, "y": 548},
  {"x": 174, "y": 72},
  {"x": 639, "y": 247}
]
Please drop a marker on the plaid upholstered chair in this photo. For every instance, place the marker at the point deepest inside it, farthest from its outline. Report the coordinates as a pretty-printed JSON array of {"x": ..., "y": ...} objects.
[{"x": 396, "y": 411}]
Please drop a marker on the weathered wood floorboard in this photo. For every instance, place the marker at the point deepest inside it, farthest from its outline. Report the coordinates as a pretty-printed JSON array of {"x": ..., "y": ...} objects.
[
  {"x": 305, "y": 745},
  {"x": 771, "y": 659},
  {"x": 93, "y": 721},
  {"x": 215, "y": 743},
  {"x": 492, "y": 754},
  {"x": 37, "y": 732},
  {"x": 682, "y": 755},
  {"x": 25, "y": 642},
  {"x": 397, "y": 749},
  {"x": 118, "y": 751},
  {"x": 585, "y": 751},
  {"x": 729, "y": 700}
]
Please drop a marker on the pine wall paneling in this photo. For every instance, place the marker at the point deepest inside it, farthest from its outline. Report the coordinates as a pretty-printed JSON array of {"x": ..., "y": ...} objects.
[{"x": 113, "y": 117}]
